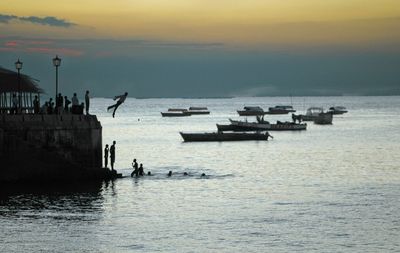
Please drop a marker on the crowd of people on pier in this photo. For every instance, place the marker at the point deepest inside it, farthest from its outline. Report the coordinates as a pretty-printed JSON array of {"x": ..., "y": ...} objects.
[{"x": 62, "y": 105}]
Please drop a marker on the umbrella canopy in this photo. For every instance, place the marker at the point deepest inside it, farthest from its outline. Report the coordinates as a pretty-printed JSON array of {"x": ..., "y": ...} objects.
[{"x": 9, "y": 82}]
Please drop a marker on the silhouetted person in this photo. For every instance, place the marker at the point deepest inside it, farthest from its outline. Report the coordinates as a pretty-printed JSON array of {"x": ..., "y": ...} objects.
[
  {"x": 75, "y": 104},
  {"x": 149, "y": 173},
  {"x": 170, "y": 173},
  {"x": 67, "y": 102},
  {"x": 87, "y": 102},
  {"x": 50, "y": 109},
  {"x": 203, "y": 175},
  {"x": 119, "y": 102},
  {"x": 141, "y": 171},
  {"x": 59, "y": 104},
  {"x": 106, "y": 156},
  {"x": 36, "y": 105},
  {"x": 185, "y": 174},
  {"x": 14, "y": 104},
  {"x": 135, "y": 168},
  {"x": 112, "y": 155}
]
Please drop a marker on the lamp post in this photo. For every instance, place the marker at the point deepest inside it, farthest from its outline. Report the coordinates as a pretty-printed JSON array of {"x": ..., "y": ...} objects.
[
  {"x": 56, "y": 63},
  {"x": 18, "y": 66}
]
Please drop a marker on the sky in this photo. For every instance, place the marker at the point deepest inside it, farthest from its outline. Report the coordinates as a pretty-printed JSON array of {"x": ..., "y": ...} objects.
[{"x": 204, "y": 48}]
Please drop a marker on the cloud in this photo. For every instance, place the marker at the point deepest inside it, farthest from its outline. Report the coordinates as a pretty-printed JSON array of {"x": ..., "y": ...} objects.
[{"x": 50, "y": 21}]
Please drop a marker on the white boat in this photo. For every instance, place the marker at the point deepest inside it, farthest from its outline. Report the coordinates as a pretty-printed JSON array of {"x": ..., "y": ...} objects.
[
  {"x": 312, "y": 113},
  {"x": 338, "y": 110}
]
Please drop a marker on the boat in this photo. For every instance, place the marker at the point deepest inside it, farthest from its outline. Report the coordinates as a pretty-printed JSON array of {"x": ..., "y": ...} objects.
[
  {"x": 324, "y": 118},
  {"x": 175, "y": 114},
  {"x": 221, "y": 136},
  {"x": 280, "y": 109},
  {"x": 338, "y": 110},
  {"x": 198, "y": 110},
  {"x": 177, "y": 110},
  {"x": 312, "y": 113},
  {"x": 251, "y": 111},
  {"x": 261, "y": 126}
]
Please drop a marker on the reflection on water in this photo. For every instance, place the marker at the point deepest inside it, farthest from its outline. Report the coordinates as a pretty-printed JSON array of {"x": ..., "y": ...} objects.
[
  {"x": 55, "y": 200},
  {"x": 327, "y": 189}
]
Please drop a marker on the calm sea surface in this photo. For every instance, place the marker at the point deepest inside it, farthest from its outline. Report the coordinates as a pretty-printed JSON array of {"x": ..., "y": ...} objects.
[{"x": 332, "y": 188}]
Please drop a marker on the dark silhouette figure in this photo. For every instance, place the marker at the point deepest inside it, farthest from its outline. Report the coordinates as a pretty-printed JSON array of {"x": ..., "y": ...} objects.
[
  {"x": 87, "y": 102},
  {"x": 149, "y": 173},
  {"x": 121, "y": 99},
  {"x": 203, "y": 175},
  {"x": 135, "y": 168},
  {"x": 67, "y": 102},
  {"x": 36, "y": 105},
  {"x": 112, "y": 155},
  {"x": 185, "y": 174},
  {"x": 141, "y": 171},
  {"x": 106, "y": 156},
  {"x": 59, "y": 103},
  {"x": 75, "y": 105},
  {"x": 170, "y": 173}
]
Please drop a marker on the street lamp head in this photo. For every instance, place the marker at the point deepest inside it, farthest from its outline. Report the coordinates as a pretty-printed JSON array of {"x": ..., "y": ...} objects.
[
  {"x": 18, "y": 65},
  {"x": 56, "y": 61}
]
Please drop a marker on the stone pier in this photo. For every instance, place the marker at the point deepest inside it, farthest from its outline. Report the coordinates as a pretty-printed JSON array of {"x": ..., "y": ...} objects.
[{"x": 50, "y": 147}]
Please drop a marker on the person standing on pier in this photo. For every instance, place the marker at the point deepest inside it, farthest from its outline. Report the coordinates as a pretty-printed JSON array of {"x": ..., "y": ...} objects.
[
  {"x": 36, "y": 105},
  {"x": 87, "y": 102},
  {"x": 75, "y": 104},
  {"x": 106, "y": 156},
  {"x": 66, "y": 104},
  {"x": 119, "y": 102},
  {"x": 59, "y": 104},
  {"x": 112, "y": 154}
]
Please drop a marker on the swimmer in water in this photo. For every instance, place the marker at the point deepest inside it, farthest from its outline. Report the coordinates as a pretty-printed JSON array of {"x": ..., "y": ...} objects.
[{"x": 170, "y": 173}]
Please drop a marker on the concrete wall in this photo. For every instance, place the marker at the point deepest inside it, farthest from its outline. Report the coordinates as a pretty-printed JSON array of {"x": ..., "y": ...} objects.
[{"x": 49, "y": 146}]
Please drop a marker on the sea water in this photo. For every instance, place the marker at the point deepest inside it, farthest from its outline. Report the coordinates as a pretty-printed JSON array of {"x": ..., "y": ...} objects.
[{"x": 331, "y": 188}]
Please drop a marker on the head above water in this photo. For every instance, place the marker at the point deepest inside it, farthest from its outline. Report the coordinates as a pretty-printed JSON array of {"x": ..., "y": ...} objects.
[{"x": 126, "y": 93}]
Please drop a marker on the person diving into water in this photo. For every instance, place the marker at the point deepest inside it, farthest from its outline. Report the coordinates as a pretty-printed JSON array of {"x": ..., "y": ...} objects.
[{"x": 121, "y": 99}]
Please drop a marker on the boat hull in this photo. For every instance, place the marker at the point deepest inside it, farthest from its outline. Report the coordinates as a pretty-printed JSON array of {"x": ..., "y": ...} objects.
[
  {"x": 324, "y": 119},
  {"x": 250, "y": 113},
  {"x": 219, "y": 136},
  {"x": 175, "y": 114}
]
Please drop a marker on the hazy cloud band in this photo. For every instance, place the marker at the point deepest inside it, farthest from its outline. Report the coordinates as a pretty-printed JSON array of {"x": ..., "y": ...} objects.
[{"x": 51, "y": 21}]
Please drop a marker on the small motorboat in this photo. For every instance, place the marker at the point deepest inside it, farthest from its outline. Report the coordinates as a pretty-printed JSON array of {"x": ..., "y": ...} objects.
[
  {"x": 175, "y": 114},
  {"x": 222, "y": 136},
  {"x": 198, "y": 110},
  {"x": 338, "y": 110},
  {"x": 312, "y": 113},
  {"x": 251, "y": 111},
  {"x": 280, "y": 109}
]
